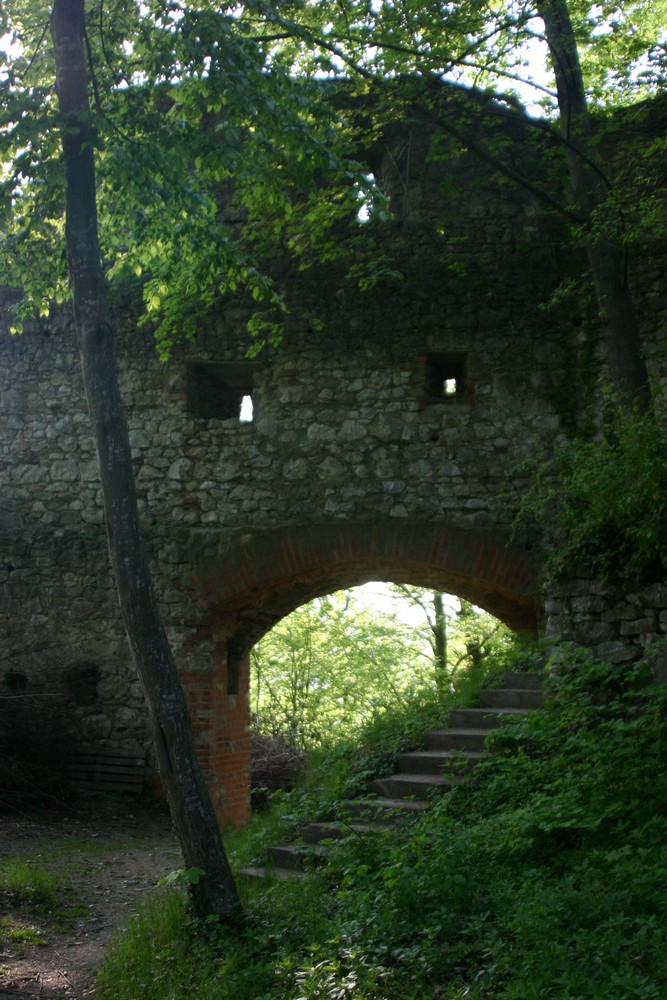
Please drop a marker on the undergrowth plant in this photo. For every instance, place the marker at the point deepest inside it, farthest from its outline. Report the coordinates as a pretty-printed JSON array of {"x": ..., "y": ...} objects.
[
  {"x": 17, "y": 934},
  {"x": 29, "y": 883},
  {"x": 342, "y": 769},
  {"x": 36, "y": 899},
  {"x": 542, "y": 876},
  {"x": 606, "y": 499},
  {"x": 37, "y": 894}
]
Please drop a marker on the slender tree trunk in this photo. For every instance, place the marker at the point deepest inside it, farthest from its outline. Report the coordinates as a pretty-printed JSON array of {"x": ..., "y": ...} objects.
[
  {"x": 440, "y": 643},
  {"x": 191, "y": 808},
  {"x": 606, "y": 255}
]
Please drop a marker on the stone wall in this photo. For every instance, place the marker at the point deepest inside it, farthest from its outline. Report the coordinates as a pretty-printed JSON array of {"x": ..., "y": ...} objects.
[
  {"x": 357, "y": 464},
  {"x": 618, "y": 625}
]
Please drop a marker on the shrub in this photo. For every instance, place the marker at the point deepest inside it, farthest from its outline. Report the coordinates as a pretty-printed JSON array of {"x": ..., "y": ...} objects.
[
  {"x": 606, "y": 500},
  {"x": 275, "y": 764},
  {"x": 541, "y": 878}
]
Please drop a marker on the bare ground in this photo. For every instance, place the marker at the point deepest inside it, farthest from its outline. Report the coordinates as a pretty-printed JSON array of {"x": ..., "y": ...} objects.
[{"x": 113, "y": 853}]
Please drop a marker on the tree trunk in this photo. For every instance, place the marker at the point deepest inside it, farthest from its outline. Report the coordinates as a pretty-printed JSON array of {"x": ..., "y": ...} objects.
[
  {"x": 191, "y": 808},
  {"x": 440, "y": 643},
  {"x": 607, "y": 256}
]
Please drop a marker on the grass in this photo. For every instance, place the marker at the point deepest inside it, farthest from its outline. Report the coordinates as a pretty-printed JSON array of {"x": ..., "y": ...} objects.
[
  {"x": 38, "y": 894},
  {"x": 16, "y": 934},
  {"x": 28, "y": 883},
  {"x": 62, "y": 846},
  {"x": 342, "y": 770},
  {"x": 543, "y": 877},
  {"x": 38, "y": 900},
  {"x": 39, "y": 891}
]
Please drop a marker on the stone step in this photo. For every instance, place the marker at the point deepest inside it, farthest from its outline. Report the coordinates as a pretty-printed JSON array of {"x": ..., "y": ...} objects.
[
  {"x": 449, "y": 755},
  {"x": 524, "y": 682},
  {"x": 504, "y": 698},
  {"x": 296, "y": 857},
  {"x": 418, "y": 786},
  {"x": 440, "y": 761},
  {"x": 257, "y": 871},
  {"x": 484, "y": 718},
  {"x": 384, "y": 809},
  {"x": 462, "y": 740},
  {"x": 315, "y": 833}
]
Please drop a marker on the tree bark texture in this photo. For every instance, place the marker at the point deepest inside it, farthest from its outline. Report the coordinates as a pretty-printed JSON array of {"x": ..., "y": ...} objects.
[
  {"x": 440, "y": 643},
  {"x": 192, "y": 812},
  {"x": 607, "y": 257}
]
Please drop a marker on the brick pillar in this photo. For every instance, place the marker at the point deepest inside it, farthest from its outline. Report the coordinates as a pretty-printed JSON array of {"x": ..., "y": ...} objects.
[{"x": 220, "y": 726}]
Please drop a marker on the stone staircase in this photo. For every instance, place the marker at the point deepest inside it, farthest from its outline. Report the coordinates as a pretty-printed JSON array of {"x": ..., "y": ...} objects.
[{"x": 447, "y": 757}]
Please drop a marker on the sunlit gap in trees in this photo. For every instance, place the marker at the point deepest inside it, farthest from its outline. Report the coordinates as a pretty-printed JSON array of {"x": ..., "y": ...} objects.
[
  {"x": 342, "y": 660},
  {"x": 10, "y": 49},
  {"x": 367, "y": 197},
  {"x": 387, "y": 599}
]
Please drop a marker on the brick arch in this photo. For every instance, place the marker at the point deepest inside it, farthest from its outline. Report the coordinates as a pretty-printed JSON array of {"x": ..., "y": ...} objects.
[
  {"x": 253, "y": 586},
  {"x": 250, "y": 587}
]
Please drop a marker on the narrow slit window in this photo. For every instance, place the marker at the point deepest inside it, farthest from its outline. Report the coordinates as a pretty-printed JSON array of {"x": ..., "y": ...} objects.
[{"x": 246, "y": 412}]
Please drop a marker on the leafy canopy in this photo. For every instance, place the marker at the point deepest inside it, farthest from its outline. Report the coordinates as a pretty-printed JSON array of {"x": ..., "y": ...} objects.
[
  {"x": 331, "y": 665},
  {"x": 605, "y": 500},
  {"x": 219, "y": 139},
  {"x": 497, "y": 45},
  {"x": 207, "y": 146},
  {"x": 339, "y": 662}
]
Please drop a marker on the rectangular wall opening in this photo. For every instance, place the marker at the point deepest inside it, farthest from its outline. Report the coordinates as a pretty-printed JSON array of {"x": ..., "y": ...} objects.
[
  {"x": 446, "y": 377},
  {"x": 220, "y": 391}
]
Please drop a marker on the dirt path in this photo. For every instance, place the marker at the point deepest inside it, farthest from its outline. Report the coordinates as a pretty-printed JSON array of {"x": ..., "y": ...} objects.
[{"x": 113, "y": 853}]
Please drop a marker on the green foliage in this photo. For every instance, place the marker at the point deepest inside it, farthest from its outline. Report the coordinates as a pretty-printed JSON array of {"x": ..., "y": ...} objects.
[
  {"x": 16, "y": 935},
  {"x": 538, "y": 877},
  {"x": 481, "y": 646},
  {"x": 207, "y": 163},
  {"x": 330, "y": 666},
  {"x": 34, "y": 892},
  {"x": 458, "y": 634},
  {"x": 374, "y": 749},
  {"x": 220, "y": 143},
  {"x": 361, "y": 685},
  {"x": 163, "y": 960},
  {"x": 345, "y": 769},
  {"x": 337, "y": 667},
  {"x": 183, "y": 876},
  {"x": 490, "y": 47},
  {"x": 38, "y": 894},
  {"x": 29, "y": 883},
  {"x": 605, "y": 500},
  {"x": 620, "y": 48},
  {"x": 542, "y": 877}
]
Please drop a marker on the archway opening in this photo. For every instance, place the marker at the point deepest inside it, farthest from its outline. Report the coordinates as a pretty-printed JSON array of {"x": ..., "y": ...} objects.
[
  {"x": 246, "y": 589},
  {"x": 350, "y": 665}
]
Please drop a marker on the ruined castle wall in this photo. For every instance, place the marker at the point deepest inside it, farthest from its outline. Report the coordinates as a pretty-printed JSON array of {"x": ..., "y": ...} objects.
[{"x": 351, "y": 426}]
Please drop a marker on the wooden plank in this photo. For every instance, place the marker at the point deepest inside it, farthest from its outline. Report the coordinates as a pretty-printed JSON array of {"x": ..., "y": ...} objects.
[
  {"x": 94, "y": 767},
  {"x": 107, "y": 769},
  {"x": 109, "y": 786},
  {"x": 94, "y": 751}
]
